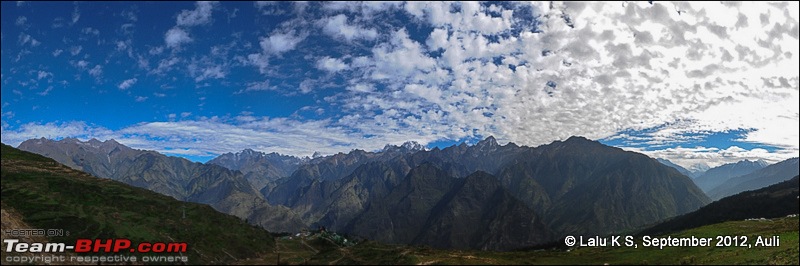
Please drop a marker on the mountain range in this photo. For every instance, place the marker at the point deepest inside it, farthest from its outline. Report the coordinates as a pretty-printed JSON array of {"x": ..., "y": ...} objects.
[
  {"x": 764, "y": 177},
  {"x": 225, "y": 190},
  {"x": 719, "y": 175},
  {"x": 259, "y": 168},
  {"x": 464, "y": 196},
  {"x": 38, "y": 192},
  {"x": 41, "y": 193}
]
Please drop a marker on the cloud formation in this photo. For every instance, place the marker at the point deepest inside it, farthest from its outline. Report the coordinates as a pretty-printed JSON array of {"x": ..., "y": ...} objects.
[
  {"x": 127, "y": 83},
  {"x": 201, "y": 15},
  {"x": 661, "y": 75},
  {"x": 338, "y": 27},
  {"x": 175, "y": 37}
]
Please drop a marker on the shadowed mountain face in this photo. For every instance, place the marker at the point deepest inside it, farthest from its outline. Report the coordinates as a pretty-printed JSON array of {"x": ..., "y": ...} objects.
[
  {"x": 717, "y": 176},
  {"x": 484, "y": 196},
  {"x": 223, "y": 189},
  {"x": 432, "y": 208},
  {"x": 331, "y": 168},
  {"x": 576, "y": 186},
  {"x": 777, "y": 200},
  {"x": 479, "y": 213},
  {"x": 766, "y": 176},
  {"x": 584, "y": 187}
]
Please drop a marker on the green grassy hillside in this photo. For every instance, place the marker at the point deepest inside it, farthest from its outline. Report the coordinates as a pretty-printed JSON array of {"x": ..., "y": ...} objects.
[
  {"x": 52, "y": 196},
  {"x": 299, "y": 250}
]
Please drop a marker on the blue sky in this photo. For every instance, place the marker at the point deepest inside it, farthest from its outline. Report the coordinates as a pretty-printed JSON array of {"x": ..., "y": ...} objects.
[{"x": 712, "y": 84}]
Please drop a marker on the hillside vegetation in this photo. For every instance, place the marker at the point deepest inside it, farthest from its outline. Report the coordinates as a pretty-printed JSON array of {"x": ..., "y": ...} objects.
[
  {"x": 50, "y": 195},
  {"x": 314, "y": 250}
]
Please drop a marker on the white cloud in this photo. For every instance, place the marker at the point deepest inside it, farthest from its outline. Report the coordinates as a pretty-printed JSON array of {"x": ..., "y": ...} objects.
[
  {"x": 307, "y": 86},
  {"x": 82, "y": 64},
  {"x": 367, "y": 9},
  {"x": 331, "y": 64},
  {"x": 127, "y": 83},
  {"x": 156, "y": 50},
  {"x": 143, "y": 62},
  {"x": 713, "y": 157},
  {"x": 199, "y": 16},
  {"x": 121, "y": 46},
  {"x": 338, "y": 27},
  {"x": 213, "y": 136},
  {"x": 58, "y": 22},
  {"x": 140, "y": 98},
  {"x": 75, "y": 50},
  {"x": 21, "y": 20},
  {"x": 215, "y": 72},
  {"x": 43, "y": 74},
  {"x": 57, "y": 52},
  {"x": 25, "y": 39},
  {"x": 175, "y": 37},
  {"x": 165, "y": 65},
  {"x": 51, "y": 131},
  {"x": 76, "y": 14},
  {"x": 90, "y": 31},
  {"x": 270, "y": 7},
  {"x": 256, "y": 86},
  {"x": 259, "y": 60},
  {"x": 279, "y": 42},
  {"x": 473, "y": 16},
  {"x": 262, "y": 4},
  {"x": 130, "y": 15},
  {"x": 399, "y": 60},
  {"x": 590, "y": 69},
  {"x": 607, "y": 69},
  {"x": 96, "y": 71},
  {"x": 46, "y": 91}
]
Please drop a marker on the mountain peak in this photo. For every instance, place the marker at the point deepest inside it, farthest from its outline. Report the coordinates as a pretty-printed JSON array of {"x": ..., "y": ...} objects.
[
  {"x": 699, "y": 167},
  {"x": 758, "y": 162},
  {"x": 412, "y": 146},
  {"x": 490, "y": 141},
  {"x": 249, "y": 151},
  {"x": 107, "y": 145},
  {"x": 70, "y": 140},
  {"x": 748, "y": 163},
  {"x": 408, "y": 146},
  {"x": 578, "y": 139}
]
